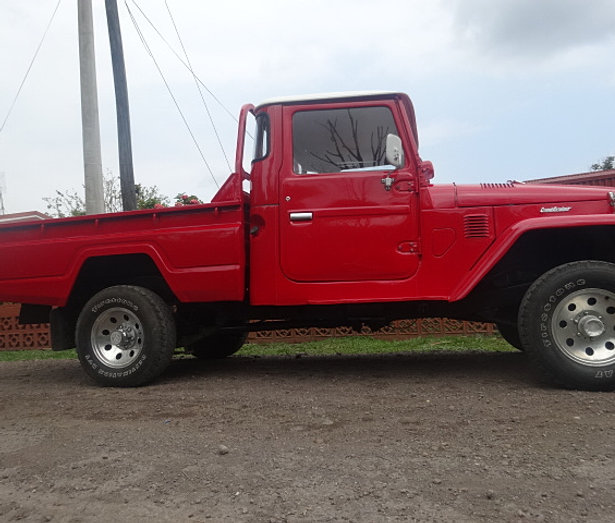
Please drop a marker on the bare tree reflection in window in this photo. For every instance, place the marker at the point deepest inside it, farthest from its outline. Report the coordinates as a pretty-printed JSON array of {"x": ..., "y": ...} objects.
[{"x": 348, "y": 154}]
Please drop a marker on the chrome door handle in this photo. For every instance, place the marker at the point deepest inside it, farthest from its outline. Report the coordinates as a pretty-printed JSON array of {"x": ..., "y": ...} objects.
[{"x": 300, "y": 216}]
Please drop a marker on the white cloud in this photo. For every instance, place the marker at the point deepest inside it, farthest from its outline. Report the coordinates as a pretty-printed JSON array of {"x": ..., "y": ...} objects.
[
  {"x": 438, "y": 132},
  {"x": 547, "y": 33}
]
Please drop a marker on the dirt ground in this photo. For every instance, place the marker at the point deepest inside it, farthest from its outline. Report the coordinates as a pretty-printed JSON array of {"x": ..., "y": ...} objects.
[{"x": 439, "y": 437}]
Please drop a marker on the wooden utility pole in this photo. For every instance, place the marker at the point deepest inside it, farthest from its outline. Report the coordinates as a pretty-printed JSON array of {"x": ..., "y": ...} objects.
[
  {"x": 127, "y": 180},
  {"x": 92, "y": 158}
]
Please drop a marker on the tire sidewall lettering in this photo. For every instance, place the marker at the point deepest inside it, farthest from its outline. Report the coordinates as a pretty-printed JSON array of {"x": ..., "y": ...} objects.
[
  {"x": 108, "y": 372},
  {"x": 553, "y": 299},
  {"x": 114, "y": 302}
]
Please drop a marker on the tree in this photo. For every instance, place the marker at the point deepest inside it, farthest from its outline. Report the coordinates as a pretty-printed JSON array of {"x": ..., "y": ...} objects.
[
  {"x": 70, "y": 203},
  {"x": 148, "y": 197},
  {"x": 64, "y": 204},
  {"x": 607, "y": 164}
]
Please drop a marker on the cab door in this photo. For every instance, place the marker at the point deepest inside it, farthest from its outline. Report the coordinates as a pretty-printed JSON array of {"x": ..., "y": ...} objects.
[{"x": 340, "y": 219}]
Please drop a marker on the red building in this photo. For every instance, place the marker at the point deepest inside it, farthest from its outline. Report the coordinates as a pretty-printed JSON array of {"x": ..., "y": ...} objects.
[
  {"x": 23, "y": 217},
  {"x": 602, "y": 178}
]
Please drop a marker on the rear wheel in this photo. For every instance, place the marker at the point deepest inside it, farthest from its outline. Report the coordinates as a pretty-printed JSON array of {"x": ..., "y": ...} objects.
[
  {"x": 510, "y": 333},
  {"x": 221, "y": 344},
  {"x": 567, "y": 324},
  {"x": 125, "y": 336}
]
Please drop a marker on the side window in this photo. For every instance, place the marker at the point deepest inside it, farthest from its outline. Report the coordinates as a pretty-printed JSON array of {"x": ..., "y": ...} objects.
[
  {"x": 256, "y": 143},
  {"x": 337, "y": 140},
  {"x": 261, "y": 141}
]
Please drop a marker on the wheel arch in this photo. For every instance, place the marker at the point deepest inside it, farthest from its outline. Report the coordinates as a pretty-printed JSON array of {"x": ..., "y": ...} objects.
[
  {"x": 97, "y": 273},
  {"x": 531, "y": 254}
]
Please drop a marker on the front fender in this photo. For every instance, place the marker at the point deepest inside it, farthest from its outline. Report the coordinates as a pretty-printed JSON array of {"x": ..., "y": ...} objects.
[{"x": 510, "y": 236}]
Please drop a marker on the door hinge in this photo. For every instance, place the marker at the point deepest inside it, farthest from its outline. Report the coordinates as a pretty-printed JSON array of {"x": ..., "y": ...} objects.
[{"x": 405, "y": 186}]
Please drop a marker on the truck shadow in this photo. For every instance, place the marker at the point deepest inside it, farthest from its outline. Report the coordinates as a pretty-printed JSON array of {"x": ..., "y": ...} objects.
[{"x": 513, "y": 367}]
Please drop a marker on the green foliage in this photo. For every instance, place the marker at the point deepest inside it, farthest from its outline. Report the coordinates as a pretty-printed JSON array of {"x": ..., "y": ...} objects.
[
  {"x": 112, "y": 194},
  {"x": 148, "y": 197},
  {"x": 607, "y": 164},
  {"x": 64, "y": 204},
  {"x": 70, "y": 203}
]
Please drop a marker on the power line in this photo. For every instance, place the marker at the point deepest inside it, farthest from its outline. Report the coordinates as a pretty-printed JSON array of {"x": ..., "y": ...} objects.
[
  {"x": 181, "y": 42},
  {"x": 184, "y": 63},
  {"x": 23, "y": 81},
  {"x": 151, "y": 54}
]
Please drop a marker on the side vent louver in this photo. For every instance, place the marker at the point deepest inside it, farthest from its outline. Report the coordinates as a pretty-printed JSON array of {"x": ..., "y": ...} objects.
[
  {"x": 476, "y": 226},
  {"x": 507, "y": 185}
]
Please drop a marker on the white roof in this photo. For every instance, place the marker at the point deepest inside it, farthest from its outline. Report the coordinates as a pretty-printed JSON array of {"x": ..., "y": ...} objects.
[{"x": 324, "y": 96}]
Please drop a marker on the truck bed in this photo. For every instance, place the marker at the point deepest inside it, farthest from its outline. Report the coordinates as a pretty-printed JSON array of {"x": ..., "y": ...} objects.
[{"x": 198, "y": 249}]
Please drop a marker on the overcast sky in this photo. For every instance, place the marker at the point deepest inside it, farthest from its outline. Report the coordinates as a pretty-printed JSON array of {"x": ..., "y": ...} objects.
[{"x": 503, "y": 89}]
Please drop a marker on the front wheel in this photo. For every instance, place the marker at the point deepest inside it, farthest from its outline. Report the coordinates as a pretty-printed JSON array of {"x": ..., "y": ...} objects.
[
  {"x": 125, "y": 336},
  {"x": 567, "y": 324}
]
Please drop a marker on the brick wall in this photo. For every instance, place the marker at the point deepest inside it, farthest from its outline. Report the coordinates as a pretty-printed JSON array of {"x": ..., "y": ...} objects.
[
  {"x": 20, "y": 337},
  {"x": 399, "y": 329}
]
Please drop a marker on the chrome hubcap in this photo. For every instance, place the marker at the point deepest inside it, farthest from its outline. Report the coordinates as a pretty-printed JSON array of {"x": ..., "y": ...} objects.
[
  {"x": 591, "y": 325},
  {"x": 117, "y": 337},
  {"x": 583, "y": 327}
]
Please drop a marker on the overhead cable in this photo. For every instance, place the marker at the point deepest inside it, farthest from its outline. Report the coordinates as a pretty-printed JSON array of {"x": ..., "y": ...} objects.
[
  {"x": 211, "y": 120},
  {"x": 23, "y": 81},
  {"x": 183, "y": 62},
  {"x": 151, "y": 54}
]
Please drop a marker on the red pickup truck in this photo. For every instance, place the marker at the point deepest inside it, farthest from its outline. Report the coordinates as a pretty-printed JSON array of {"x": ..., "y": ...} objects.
[{"x": 336, "y": 223}]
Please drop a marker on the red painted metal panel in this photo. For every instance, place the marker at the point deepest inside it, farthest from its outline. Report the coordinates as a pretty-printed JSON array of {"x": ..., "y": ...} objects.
[
  {"x": 519, "y": 194},
  {"x": 200, "y": 251},
  {"x": 360, "y": 236}
]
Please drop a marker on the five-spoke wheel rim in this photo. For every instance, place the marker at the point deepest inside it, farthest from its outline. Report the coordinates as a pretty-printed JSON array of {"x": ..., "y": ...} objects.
[
  {"x": 583, "y": 327},
  {"x": 117, "y": 337}
]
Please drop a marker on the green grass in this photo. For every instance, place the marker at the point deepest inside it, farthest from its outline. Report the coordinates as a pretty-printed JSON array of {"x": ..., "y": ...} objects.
[
  {"x": 366, "y": 345},
  {"x": 326, "y": 347},
  {"x": 41, "y": 354}
]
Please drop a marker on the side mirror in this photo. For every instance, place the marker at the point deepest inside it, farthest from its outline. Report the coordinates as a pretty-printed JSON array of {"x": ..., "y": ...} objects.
[
  {"x": 394, "y": 152},
  {"x": 427, "y": 172}
]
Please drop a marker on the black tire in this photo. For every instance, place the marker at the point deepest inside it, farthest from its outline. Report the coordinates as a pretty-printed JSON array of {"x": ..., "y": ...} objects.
[
  {"x": 125, "y": 336},
  {"x": 567, "y": 324},
  {"x": 219, "y": 345},
  {"x": 510, "y": 333}
]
